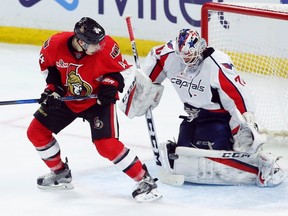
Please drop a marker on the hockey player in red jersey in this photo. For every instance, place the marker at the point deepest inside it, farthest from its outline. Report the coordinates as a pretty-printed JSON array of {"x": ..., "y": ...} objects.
[
  {"x": 81, "y": 63},
  {"x": 218, "y": 141}
]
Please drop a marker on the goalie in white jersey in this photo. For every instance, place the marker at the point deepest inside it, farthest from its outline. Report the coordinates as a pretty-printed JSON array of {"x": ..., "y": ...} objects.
[{"x": 218, "y": 141}]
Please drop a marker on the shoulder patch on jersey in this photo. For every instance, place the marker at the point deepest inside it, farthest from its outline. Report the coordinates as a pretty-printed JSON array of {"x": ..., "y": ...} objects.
[
  {"x": 157, "y": 49},
  {"x": 170, "y": 45},
  {"x": 228, "y": 66},
  {"x": 115, "y": 51},
  {"x": 46, "y": 43}
]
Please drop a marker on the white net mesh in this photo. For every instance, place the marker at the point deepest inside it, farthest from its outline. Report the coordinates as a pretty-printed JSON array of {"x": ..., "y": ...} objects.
[{"x": 258, "y": 47}]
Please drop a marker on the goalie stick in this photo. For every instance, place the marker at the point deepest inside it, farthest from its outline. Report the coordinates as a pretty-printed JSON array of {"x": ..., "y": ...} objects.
[
  {"x": 148, "y": 114},
  {"x": 27, "y": 101},
  {"x": 163, "y": 175}
]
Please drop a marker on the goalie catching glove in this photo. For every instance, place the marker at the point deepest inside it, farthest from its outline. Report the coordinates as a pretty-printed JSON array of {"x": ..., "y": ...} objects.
[
  {"x": 247, "y": 138},
  {"x": 141, "y": 95}
]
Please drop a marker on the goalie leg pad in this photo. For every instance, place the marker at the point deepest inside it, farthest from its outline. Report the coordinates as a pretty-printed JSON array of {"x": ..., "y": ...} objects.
[
  {"x": 215, "y": 167},
  {"x": 165, "y": 172},
  {"x": 270, "y": 174},
  {"x": 206, "y": 166}
]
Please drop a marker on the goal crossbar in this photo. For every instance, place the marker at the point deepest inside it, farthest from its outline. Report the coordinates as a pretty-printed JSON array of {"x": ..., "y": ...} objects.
[{"x": 236, "y": 9}]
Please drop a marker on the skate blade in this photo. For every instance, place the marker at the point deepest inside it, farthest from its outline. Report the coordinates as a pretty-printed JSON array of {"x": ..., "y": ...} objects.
[
  {"x": 61, "y": 186},
  {"x": 150, "y": 197}
]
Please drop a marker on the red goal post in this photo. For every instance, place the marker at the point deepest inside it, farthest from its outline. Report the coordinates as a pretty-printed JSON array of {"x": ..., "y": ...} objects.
[
  {"x": 255, "y": 35},
  {"x": 237, "y": 9}
]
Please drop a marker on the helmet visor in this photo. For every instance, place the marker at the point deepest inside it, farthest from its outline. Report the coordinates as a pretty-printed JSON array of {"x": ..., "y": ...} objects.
[
  {"x": 96, "y": 47},
  {"x": 92, "y": 48}
]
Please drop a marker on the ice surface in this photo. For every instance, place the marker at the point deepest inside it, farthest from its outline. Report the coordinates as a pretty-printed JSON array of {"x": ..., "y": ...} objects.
[{"x": 101, "y": 189}]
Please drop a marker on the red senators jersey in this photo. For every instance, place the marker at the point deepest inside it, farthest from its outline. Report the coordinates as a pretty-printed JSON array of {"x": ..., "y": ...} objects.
[{"x": 80, "y": 74}]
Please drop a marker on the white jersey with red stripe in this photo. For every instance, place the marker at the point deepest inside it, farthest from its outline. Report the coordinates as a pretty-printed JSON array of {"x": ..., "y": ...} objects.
[{"x": 215, "y": 85}]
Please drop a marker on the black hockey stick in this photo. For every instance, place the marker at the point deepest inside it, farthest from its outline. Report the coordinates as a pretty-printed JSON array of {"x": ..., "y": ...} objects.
[
  {"x": 28, "y": 101},
  {"x": 148, "y": 114}
]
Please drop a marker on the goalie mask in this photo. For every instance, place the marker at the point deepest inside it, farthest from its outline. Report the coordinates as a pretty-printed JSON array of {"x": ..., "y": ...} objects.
[{"x": 189, "y": 45}]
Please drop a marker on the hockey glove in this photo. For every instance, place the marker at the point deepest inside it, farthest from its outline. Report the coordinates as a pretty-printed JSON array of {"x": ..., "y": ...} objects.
[
  {"x": 50, "y": 98},
  {"x": 109, "y": 87},
  {"x": 247, "y": 138}
]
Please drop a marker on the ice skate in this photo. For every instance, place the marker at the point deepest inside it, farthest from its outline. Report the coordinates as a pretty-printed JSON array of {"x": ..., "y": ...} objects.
[
  {"x": 270, "y": 174},
  {"x": 60, "y": 179},
  {"x": 146, "y": 190}
]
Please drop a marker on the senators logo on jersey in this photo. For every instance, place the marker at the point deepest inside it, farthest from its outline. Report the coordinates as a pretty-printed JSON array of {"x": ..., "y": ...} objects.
[{"x": 75, "y": 84}]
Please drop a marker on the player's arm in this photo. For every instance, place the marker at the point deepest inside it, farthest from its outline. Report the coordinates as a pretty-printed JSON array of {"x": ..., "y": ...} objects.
[
  {"x": 236, "y": 98},
  {"x": 153, "y": 64},
  {"x": 111, "y": 84},
  {"x": 54, "y": 88},
  {"x": 112, "y": 81}
]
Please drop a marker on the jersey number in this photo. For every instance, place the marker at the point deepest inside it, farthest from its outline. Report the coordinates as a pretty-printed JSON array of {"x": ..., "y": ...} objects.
[{"x": 239, "y": 80}]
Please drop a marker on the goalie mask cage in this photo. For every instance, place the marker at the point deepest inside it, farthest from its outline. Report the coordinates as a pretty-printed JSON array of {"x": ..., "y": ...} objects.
[{"x": 256, "y": 38}]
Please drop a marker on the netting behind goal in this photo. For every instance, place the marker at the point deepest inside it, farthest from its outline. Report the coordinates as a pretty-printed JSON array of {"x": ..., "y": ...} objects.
[{"x": 256, "y": 38}]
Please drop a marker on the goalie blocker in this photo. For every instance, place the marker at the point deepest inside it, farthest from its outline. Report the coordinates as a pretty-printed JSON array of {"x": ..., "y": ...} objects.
[
  {"x": 141, "y": 95},
  {"x": 218, "y": 167}
]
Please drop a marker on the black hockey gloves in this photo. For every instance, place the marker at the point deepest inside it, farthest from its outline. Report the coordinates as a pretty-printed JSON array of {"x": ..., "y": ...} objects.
[
  {"x": 108, "y": 89},
  {"x": 51, "y": 97}
]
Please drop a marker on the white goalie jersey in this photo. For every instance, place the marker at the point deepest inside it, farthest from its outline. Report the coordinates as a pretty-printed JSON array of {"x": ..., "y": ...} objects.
[{"x": 214, "y": 85}]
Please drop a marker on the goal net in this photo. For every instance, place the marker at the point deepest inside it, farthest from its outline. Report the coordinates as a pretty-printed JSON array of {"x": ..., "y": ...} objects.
[{"x": 256, "y": 38}]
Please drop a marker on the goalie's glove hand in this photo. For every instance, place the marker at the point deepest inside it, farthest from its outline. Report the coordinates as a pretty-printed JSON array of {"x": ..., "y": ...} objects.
[
  {"x": 52, "y": 98},
  {"x": 247, "y": 138},
  {"x": 109, "y": 87}
]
